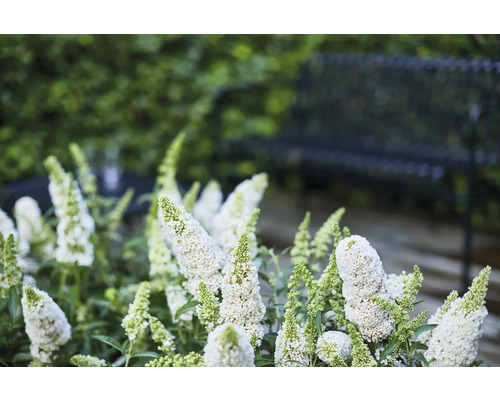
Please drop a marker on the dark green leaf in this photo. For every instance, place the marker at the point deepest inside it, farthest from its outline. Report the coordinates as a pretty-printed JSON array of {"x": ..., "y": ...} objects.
[
  {"x": 19, "y": 357},
  {"x": 111, "y": 341},
  {"x": 146, "y": 354},
  {"x": 417, "y": 346},
  {"x": 418, "y": 302},
  {"x": 185, "y": 308},
  {"x": 424, "y": 328},
  {"x": 15, "y": 309},
  {"x": 391, "y": 347},
  {"x": 420, "y": 357}
]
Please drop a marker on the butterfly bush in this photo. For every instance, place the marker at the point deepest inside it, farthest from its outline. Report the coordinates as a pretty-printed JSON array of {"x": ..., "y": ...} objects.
[{"x": 194, "y": 287}]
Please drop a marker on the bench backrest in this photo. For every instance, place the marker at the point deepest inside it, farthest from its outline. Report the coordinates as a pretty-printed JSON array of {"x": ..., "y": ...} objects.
[{"x": 400, "y": 105}]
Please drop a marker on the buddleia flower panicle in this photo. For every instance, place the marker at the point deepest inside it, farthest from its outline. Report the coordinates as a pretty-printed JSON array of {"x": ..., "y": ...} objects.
[
  {"x": 85, "y": 176},
  {"x": 80, "y": 360},
  {"x": 161, "y": 335},
  {"x": 300, "y": 251},
  {"x": 454, "y": 342},
  {"x": 28, "y": 220},
  {"x": 241, "y": 301},
  {"x": 115, "y": 217},
  {"x": 11, "y": 276},
  {"x": 396, "y": 284},
  {"x": 190, "y": 360},
  {"x": 290, "y": 348},
  {"x": 363, "y": 278},
  {"x": 405, "y": 327},
  {"x": 320, "y": 245},
  {"x": 199, "y": 258},
  {"x": 208, "y": 309},
  {"x": 46, "y": 324},
  {"x": 334, "y": 348},
  {"x": 438, "y": 315},
  {"x": 228, "y": 346},
  {"x": 176, "y": 298},
  {"x": 76, "y": 226},
  {"x": 361, "y": 356},
  {"x": 209, "y": 203},
  {"x": 230, "y": 222},
  {"x": 160, "y": 258},
  {"x": 7, "y": 228},
  {"x": 166, "y": 182},
  {"x": 191, "y": 196},
  {"x": 136, "y": 320}
]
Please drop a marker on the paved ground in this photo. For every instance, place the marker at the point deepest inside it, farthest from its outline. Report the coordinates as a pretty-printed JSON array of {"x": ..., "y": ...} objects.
[{"x": 401, "y": 241}]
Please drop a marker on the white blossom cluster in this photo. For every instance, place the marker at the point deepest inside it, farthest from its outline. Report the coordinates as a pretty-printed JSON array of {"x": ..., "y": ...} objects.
[
  {"x": 228, "y": 346},
  {"x": 75, "y": 223},
  {"x": 290, "y": 350},
  {"x": 28, "y": 219},
  {"x": 454, "y": 341},
  {"x": 241, "y": 301},
  {"x": 7, "y": 228},
  {"x": 334, "y": 343},
  {"x": 363, "y": 277},
  {"x": 136, "y": 320},
  {"x": 396, "y": 284},
  {"x": 232, "y": 218},
  {"x": 159, "y": 255},
  {"x": 208, "y": 204},
  {"x": 176, "y": 298},
  {"x": 199, "y": 258},
  {"x": 46, "y": 324},
  {"x": 161, "y": 335}
]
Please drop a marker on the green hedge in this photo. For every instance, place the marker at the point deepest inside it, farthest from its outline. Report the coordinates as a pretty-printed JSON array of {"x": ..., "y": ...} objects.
[{"x": 136, "y": 91}]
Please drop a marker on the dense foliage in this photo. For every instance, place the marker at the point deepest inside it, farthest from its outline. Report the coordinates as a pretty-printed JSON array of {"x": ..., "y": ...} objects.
[{"x": 195, "y": 289}]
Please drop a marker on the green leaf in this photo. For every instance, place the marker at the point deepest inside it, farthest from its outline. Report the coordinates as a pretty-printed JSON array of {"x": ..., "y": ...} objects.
[
  {"x": 417, "y": 346},
  {"x": 418, "y": 302},
  {"x": 185, "y": 308},
  {"x": 22, "y": 357},
  {"x": 111, "y": 341},
  {"x": 146, "y": 354},
  {"x": 15, "y": 309},
  {"x": 424, "y": 328},
  {"x": 391, "y": 347},
  {"x": 420, "y": 357}
]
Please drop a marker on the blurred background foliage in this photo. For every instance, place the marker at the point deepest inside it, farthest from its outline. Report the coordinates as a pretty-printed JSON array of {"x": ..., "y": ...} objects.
[{"x": 136, "y": 92}]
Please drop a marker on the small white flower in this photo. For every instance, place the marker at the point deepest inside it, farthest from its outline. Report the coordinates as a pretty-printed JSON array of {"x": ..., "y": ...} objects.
[
  {"x": 290, "y": 348},
  {"x": 228, "y": 346},
  {"x": 28, "y": 219},
  {"x": 176, "y": 298}
]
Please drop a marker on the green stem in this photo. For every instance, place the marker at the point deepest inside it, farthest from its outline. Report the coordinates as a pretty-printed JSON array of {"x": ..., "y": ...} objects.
[
  {"x": 181, "y": 336},
  {"x": 129, "y": 354},
  {"x": 62, "y": 283}
]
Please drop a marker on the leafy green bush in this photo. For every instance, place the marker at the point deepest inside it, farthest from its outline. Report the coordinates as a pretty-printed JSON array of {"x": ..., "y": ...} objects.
[{"x": 195, "y": 289}]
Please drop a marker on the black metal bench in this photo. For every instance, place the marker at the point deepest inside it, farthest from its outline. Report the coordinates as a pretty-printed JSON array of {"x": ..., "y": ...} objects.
[{"x": 395, "y": 122}]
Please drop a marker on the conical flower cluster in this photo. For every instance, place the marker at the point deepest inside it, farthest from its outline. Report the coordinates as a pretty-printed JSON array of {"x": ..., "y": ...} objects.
[
  {"x": 228, "y": 346},
  {"x": 208, "y": 204},
  {"x": 241, "y": 301},
  {"x": 136, "y": 320},
  {"x": 46, "y": 324},
  {"x": 75, "y": 223},
  {"x": 332, "y": 345},
  {"x": 232, "y": 218},
  {"x": 199, "y": 258},
  {"x": 454, "y": 342},
  {"x": 290, "y": 348},
  {"x": 364, "y": 277}
]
